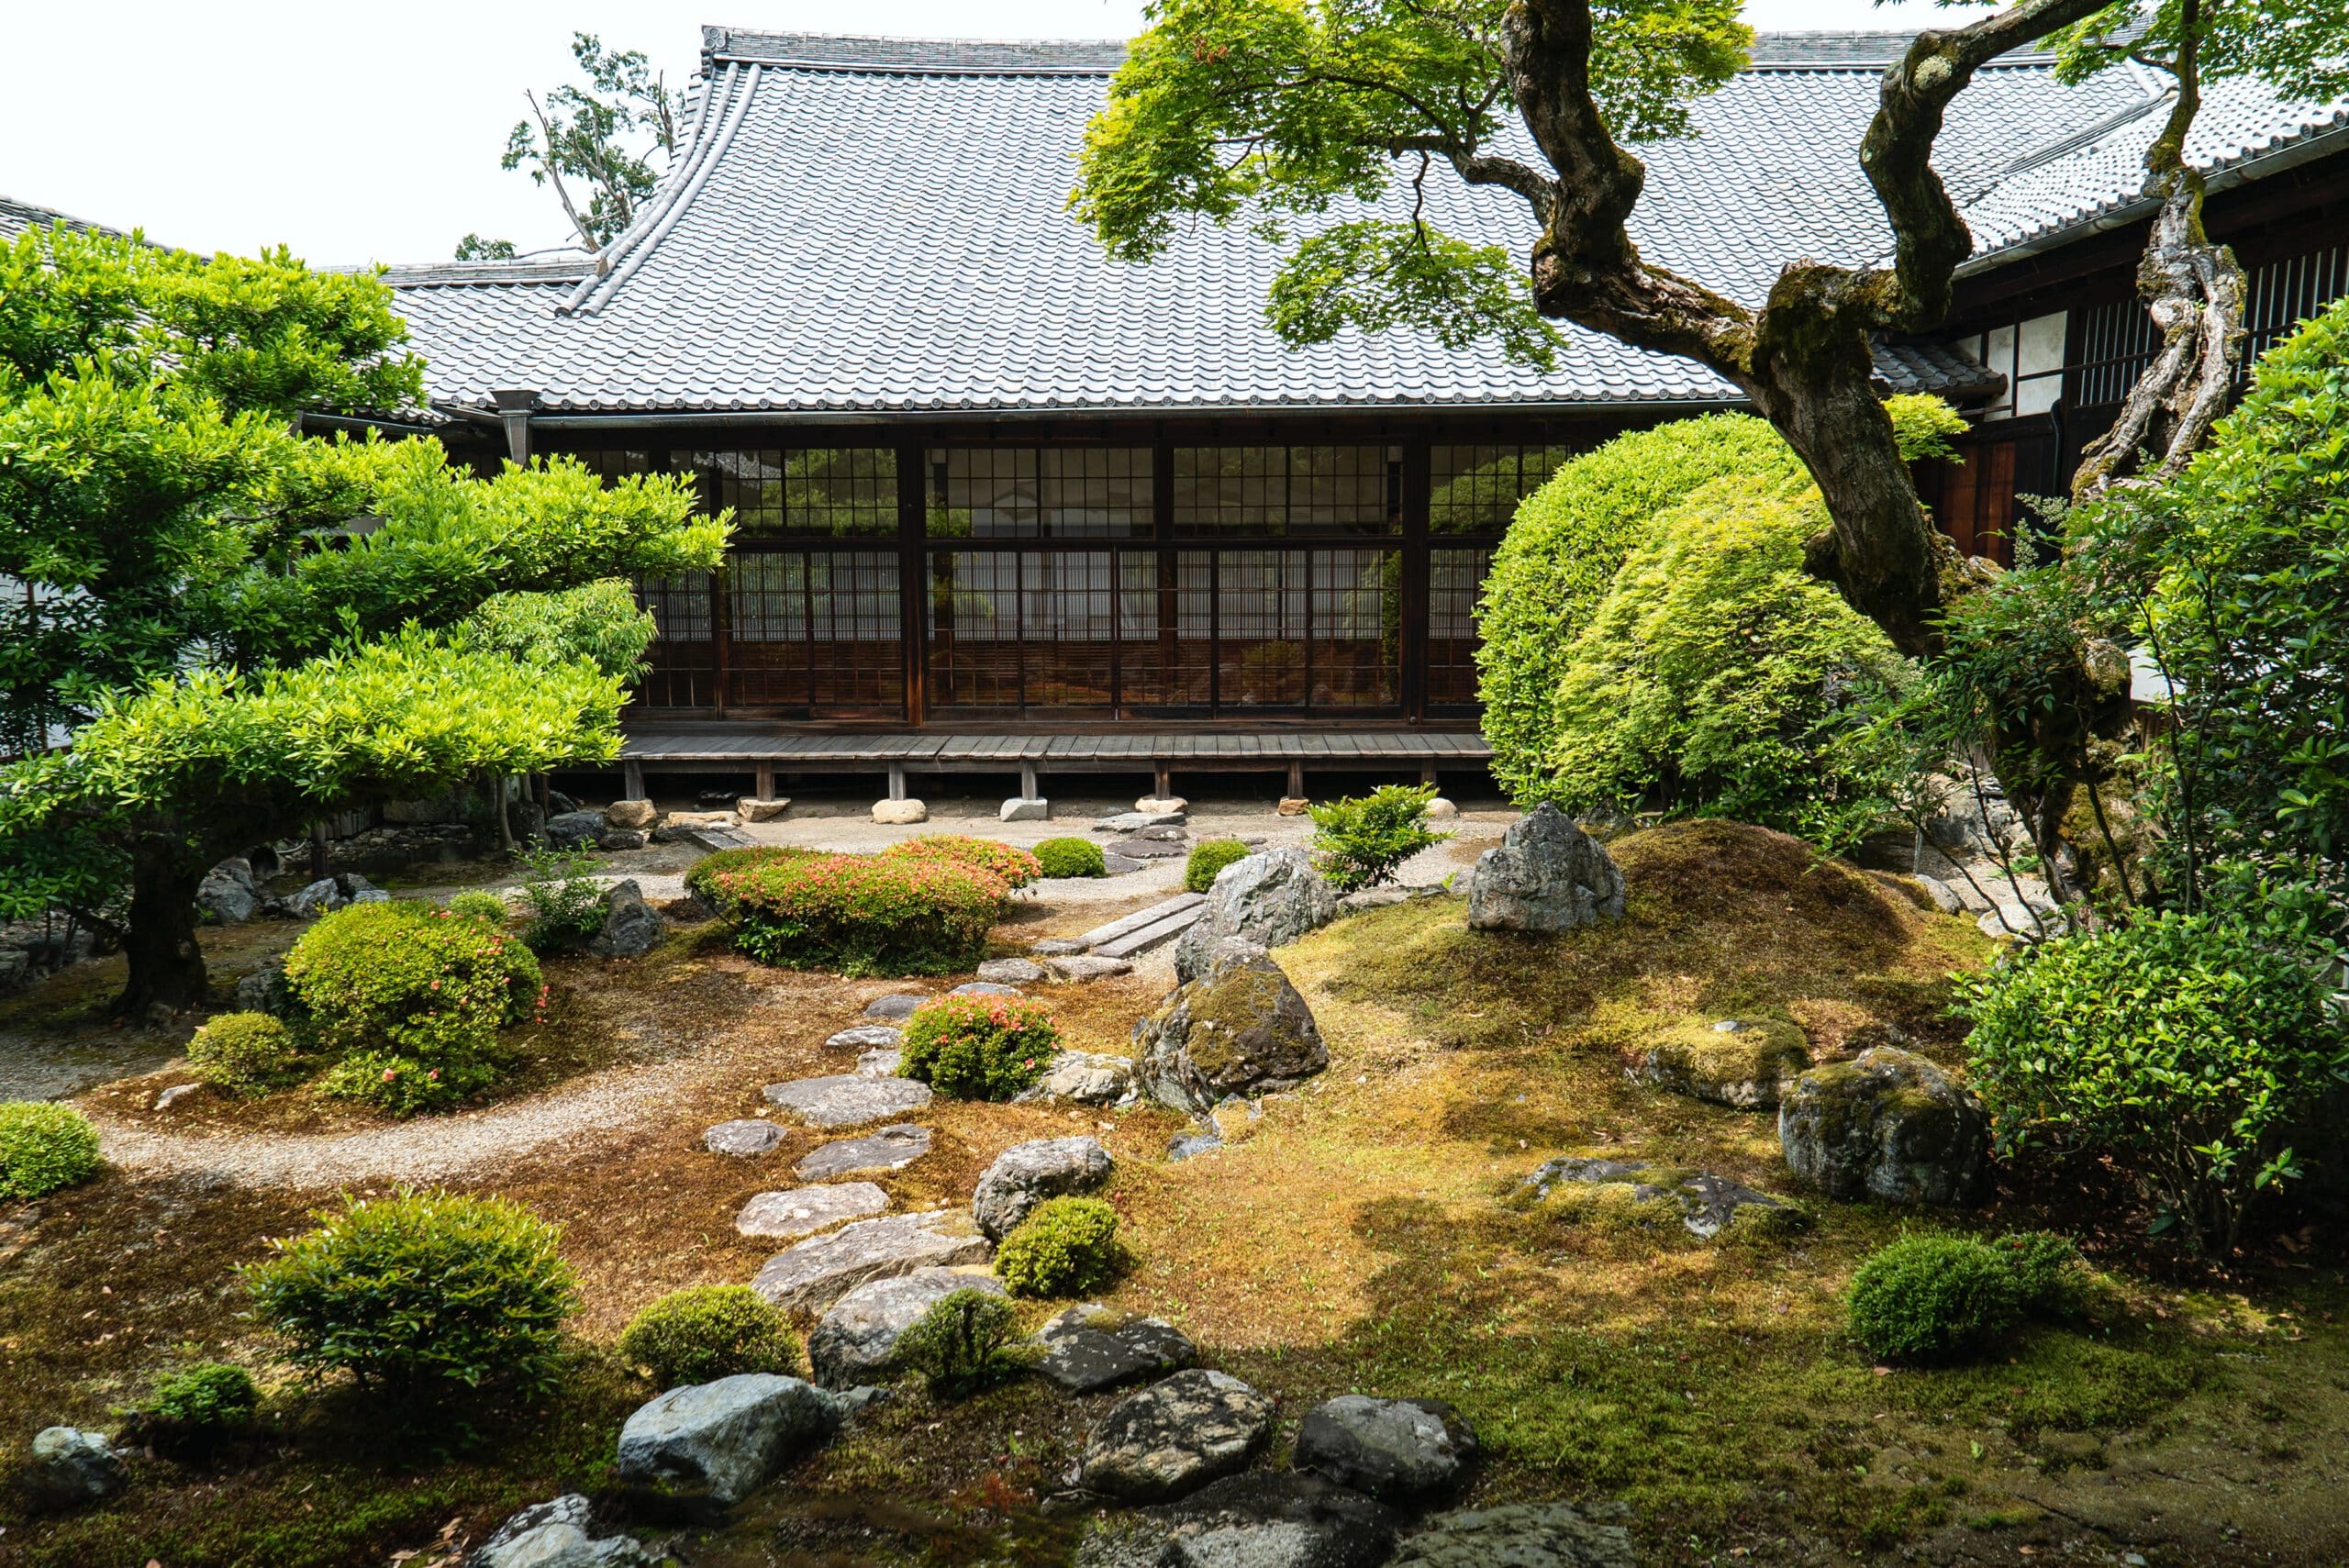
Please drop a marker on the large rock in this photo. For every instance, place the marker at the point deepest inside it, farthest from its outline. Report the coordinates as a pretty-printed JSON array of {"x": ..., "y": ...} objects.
[
  {"x": 1389, "y": 1448},
  {"x": 323, "y": 896},
  {"x": 574, "y": 830},
  {"x": 803, "y": 1211},
  {"x": 1090, "y": 1348},
  {"x": 809, "y": 1277},
  {"x": 1706, "y": 1204},
  {"x": 266, "y": 991},
  {"x": 1546, "y": 874},
  {"x": 631, "y": 928},
  {"x": 845, "y": 1099},
  {"x": 555, "y": 1535},
  {"x": 1249, "y": 1521},
  {"x": 899, "y": 813},
  {"x": 868, "y": 1037},
  {"x": 227, "y": 894},
  {"x": 750, "y": 809},
  {"x": 1744, "y": 1062},
  {"x": 1027, "y": 1174},
  {"x": 722, "y": 1440},
  {"x": 744, "y": 1137},
  {"x": 1521, "y": 1534},
  {"x": 631, "y": 814},
  {"x": 897, "y": 1005},
  {"x": 856, "y": 1341},
  {"x": 1087, "y": 1078},
  {"x": 1271, "y": 898},
  {"x": 1011, "y": 970},
  {"x": 885, "y": 1148},
  {"x": 1241, "y": 1028},
  {"x": 1175, "y": 1437},
  {"x": 1886, "y": 1124},
  {"x": 71, "y": 1469}
]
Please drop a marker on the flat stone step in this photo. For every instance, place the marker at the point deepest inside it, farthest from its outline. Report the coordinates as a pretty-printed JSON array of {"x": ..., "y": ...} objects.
[
  {"x": 715, "y": 838},
  {"x": 890, "y": 1149},
  {"x": 1140, "y": 918},
  {"x": 803, "y": 1211},
  {"x": 844, "y": 1099},
  {"x": 1150, "y": 936},
  {"x": 810, "y": 1276}
]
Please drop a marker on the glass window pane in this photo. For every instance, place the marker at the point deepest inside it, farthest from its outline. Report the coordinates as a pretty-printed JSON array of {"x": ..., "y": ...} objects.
[
  {"x": 1475, "y": 489},
  {"x": 1279, "y": 490}
]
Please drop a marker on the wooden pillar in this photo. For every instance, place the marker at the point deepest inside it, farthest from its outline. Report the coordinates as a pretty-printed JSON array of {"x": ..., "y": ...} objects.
[
  {"x": 1427, "y": 775},
  {"x": 633, "y": 778},
  {"x": 318, "y": 849},
  {"x": 912, "y": 567},
  {"x": 1028, "y": 784},
  {"x": 1412, "y": 614},
  {"x": 763, "y": 775},
  {"x": 1162, "y": 780},
  {"x": 896, "y": 781},
  {"x": 1296, "y": 780}
]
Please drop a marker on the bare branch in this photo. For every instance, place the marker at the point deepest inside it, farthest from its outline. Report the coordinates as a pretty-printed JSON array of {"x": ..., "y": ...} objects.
[{"x": 554, "y": 176}]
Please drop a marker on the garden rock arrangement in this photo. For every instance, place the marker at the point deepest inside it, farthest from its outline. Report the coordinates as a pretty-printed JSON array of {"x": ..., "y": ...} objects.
[
  {"x": 722, "y": 1440},
  {"x": 885, "y": 1148},
  {"x": 1886, "y": 1124},
  {"x": 1389, "y": 1448},
  {"x": 1086, "y": 1077},
  {"x": 1546, "y": 874},
  {"x": 810, "y": 1276},
  {"x": 1175, "y": 1437},
  {"x": 71, "y": 1469},
  {"x": 1011, "y": 970},
  {"x": 1241, "y": 1028},
  {"x": 847, "y": 1099},
  {"x": 1090, "y": 1348},
  {"x": 1263, "y": 1521},
  {"x": 1743, "y": 1062},
  {"x": 803, "y": 1211},
  {"x": 1706, "y": 1204},
  {"x": 1270, "y": 898},
  {"x": 1027, "y": 1173},
  {"x": 555, "y": 1535},
  {"x": 630, "y": 928},
  {"x": 1538, "y": 1535},
  {"x": 857, "y": 1339}
]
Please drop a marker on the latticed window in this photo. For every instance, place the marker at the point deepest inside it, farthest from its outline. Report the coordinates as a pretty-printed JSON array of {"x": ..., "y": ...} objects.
[
  {"x": 1475, "y": 489},
  {"x": 1052, "y": 492},
  {"x": 1283, "y": 490},
  {"x": 811, "y": 492}
]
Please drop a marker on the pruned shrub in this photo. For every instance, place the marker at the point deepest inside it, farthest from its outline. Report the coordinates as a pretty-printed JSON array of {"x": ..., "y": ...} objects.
[
  {"x": 565, "y": 900},
  {"x": 247, "y": 1053},
  {"x": 862, "y": 914},
  {"x": 979, "y": 1048},
  {"x": 479, "y": 905},
  {"x": 1925, "y": 1300},
  {"x": 44, "y": 1147},
  {"x": 2187, "y": 1049},
  {"x": 702, "y": 877},
  {"x": 1066, "y": 1246},
  {"x": 410, "y": 979},
  {"x": 408, "y": 1085},
  {"x": 1071, "y": 857},
  {"x": 1007, "y": 863},
  {"x": 1361, "y": 840},
  {"x": 708, "y": 1331},
  {"x": 1208, "y": 859},
  {"x": 420, "y": 1294},
  {"x": 208, "y": 1396},
  {"x": 963, "y": 1343}
]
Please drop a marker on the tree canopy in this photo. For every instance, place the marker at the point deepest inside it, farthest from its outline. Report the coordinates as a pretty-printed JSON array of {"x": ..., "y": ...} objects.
[{"x": 604, "y": 134}]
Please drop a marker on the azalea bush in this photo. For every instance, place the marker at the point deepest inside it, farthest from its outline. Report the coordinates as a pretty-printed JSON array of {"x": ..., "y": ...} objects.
[
  {"x": 565, "y": 898},
  {"x": 979, "y": 1048},
  {"x": 1007, "y": 863},
  {"x": 702, "y": 877},
  {"x": 1928, "y": 1299},
  {"x": 247, "y": 1054},
  {"x": 963, "y": 1343},
  {"x": 708, "y": 1332},
  {"x": 1208, "y": 859},
  {"x": 862, "y": 914}
]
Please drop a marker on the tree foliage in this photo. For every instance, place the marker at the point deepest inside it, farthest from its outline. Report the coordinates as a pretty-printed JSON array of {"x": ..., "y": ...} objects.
[{"x": 604, "y": 134}]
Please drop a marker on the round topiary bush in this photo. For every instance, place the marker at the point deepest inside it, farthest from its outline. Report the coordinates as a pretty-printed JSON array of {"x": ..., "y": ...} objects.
[
  {"x": 1007, "y": 863},
  {"x": 44, "y": 1147},
  {"x": 1065, "y": 1247},
  {"x": 979, "y": 1048},
  {"x": 412, "y": 979},
  {"x": 1208, "y": 859},
  {"x": 208, "y": 1396},
  {"x": 1071, "y": 857},
  {"x": 247, "y": 1053},
  {"x": 479, "y": 905},
  {"x": 1928, "y": 1299},
  {"x": 862, "y": 914},
  {"x": 708, "y": 1331},
  {"x": 421, "y": 1293}
]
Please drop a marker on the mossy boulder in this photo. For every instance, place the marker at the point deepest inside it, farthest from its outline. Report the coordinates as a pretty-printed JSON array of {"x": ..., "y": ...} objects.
[
  {"x": 1634, "y": 1194},
  {"x": 1239, "y": 1028},
  {"x": 1271, "y": 898},
  {"x": 1744, "y": 1062},
  {"x": 1886, "y": 1124}
]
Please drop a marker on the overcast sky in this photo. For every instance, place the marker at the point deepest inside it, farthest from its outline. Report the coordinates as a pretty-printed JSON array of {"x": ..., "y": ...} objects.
[{"x": 355, "y": 133}]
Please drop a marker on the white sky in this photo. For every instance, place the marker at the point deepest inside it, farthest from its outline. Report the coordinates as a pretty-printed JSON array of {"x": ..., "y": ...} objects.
[{"x": 373, "y": 132}]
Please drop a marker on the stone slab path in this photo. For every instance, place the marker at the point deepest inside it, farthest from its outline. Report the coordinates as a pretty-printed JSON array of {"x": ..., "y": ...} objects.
[
  {"x": 890, "y": 1149},
  {"x": 848, "y": 1099},
  {"x": 803, "y": 1211}
]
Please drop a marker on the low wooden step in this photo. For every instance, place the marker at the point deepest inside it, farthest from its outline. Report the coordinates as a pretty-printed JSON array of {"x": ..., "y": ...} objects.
[
  {"x": 1150, "y": 936},
  {"x": 1140, "y": 918}
]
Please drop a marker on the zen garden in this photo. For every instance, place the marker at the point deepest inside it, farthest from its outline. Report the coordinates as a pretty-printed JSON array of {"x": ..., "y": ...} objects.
[{"x": 1677, "y": 890}]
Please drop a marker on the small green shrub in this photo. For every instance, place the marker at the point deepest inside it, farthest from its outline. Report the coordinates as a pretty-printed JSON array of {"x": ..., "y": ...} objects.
[
  {"x": 247, "y": 1053},
  {"x": 1066, "y": 1246},
  {"x": 1071, "y": 857},
  {"x": 408, "y": 1085},
  {"x": 702, "y": 877},
  {"x": 208, "y": 1396},
  {"x": 709, "y": 1331},
  {"x": 410, "y": 979},
  {"x": 1361, "y": 840},
  {"x": 2185, "y": 1048},
  {"x": 566, "y": 901},
  {"x": 963, "y": 1343},
  {"x": 1007, "y": 863},
  {"x": 979, "y": 1048},
  {"x": 478, "y": 906},
  {"x": 862, "y": 914},
  {"x": 44, "y": 1147},
  {"x": 420, "y": 1294},
  {"x": 1928, "y": 1299},
  {"x": 1208, "y": 857}
]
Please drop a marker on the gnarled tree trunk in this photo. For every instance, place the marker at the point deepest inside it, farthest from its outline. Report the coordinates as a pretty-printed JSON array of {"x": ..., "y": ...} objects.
[{"x": 159, "y": 938}]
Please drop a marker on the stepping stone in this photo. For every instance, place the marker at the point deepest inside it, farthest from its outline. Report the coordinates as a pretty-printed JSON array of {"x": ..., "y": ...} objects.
[
  {"x": 808, "y": 1278},
  {"x": 899, "y": 1005},
  {"x": 1127, "y": 822},
  {"x": 1708, "y": 1204},
  {"x": 1264, "y": 1519},
  {"x": 1055, "y": 946},
  {"x": 1011, "y": 970},
  {"x": 1172, "y": 835},
  {"x": 745, "y": 1138},
  {"x": 1560, "y": 1533},
  {"x": 890, "y": 1149},
  {"x": 1089, "y": 1348},
  {"x": 1083, "y": 1076},
  {"x": 857, "y": 1341},
  {"x": 1146, "y": 849},
  {"x": 986, "y": 988},
  {"x": 867, "y": 1036},
  {"x": 1174, "y": 1437},
  {"x": 1128, "y": 924},
  {"x": 844, "y": 1099},
  {"x": 803, "y": 1211},
  {"x": 1119, "y": 865},
  {"x": 1079, "y": 968},
  {"x": 880, "y": 1063},
  {"x": 1389, "y": 1448},
  {"x": 1165, "y": 928}
]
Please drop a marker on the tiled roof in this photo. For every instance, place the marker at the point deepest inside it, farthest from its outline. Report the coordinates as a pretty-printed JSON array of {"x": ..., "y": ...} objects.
[
  {"x": 16, "y": 216},
  {"x": 865, "y": 225}
]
